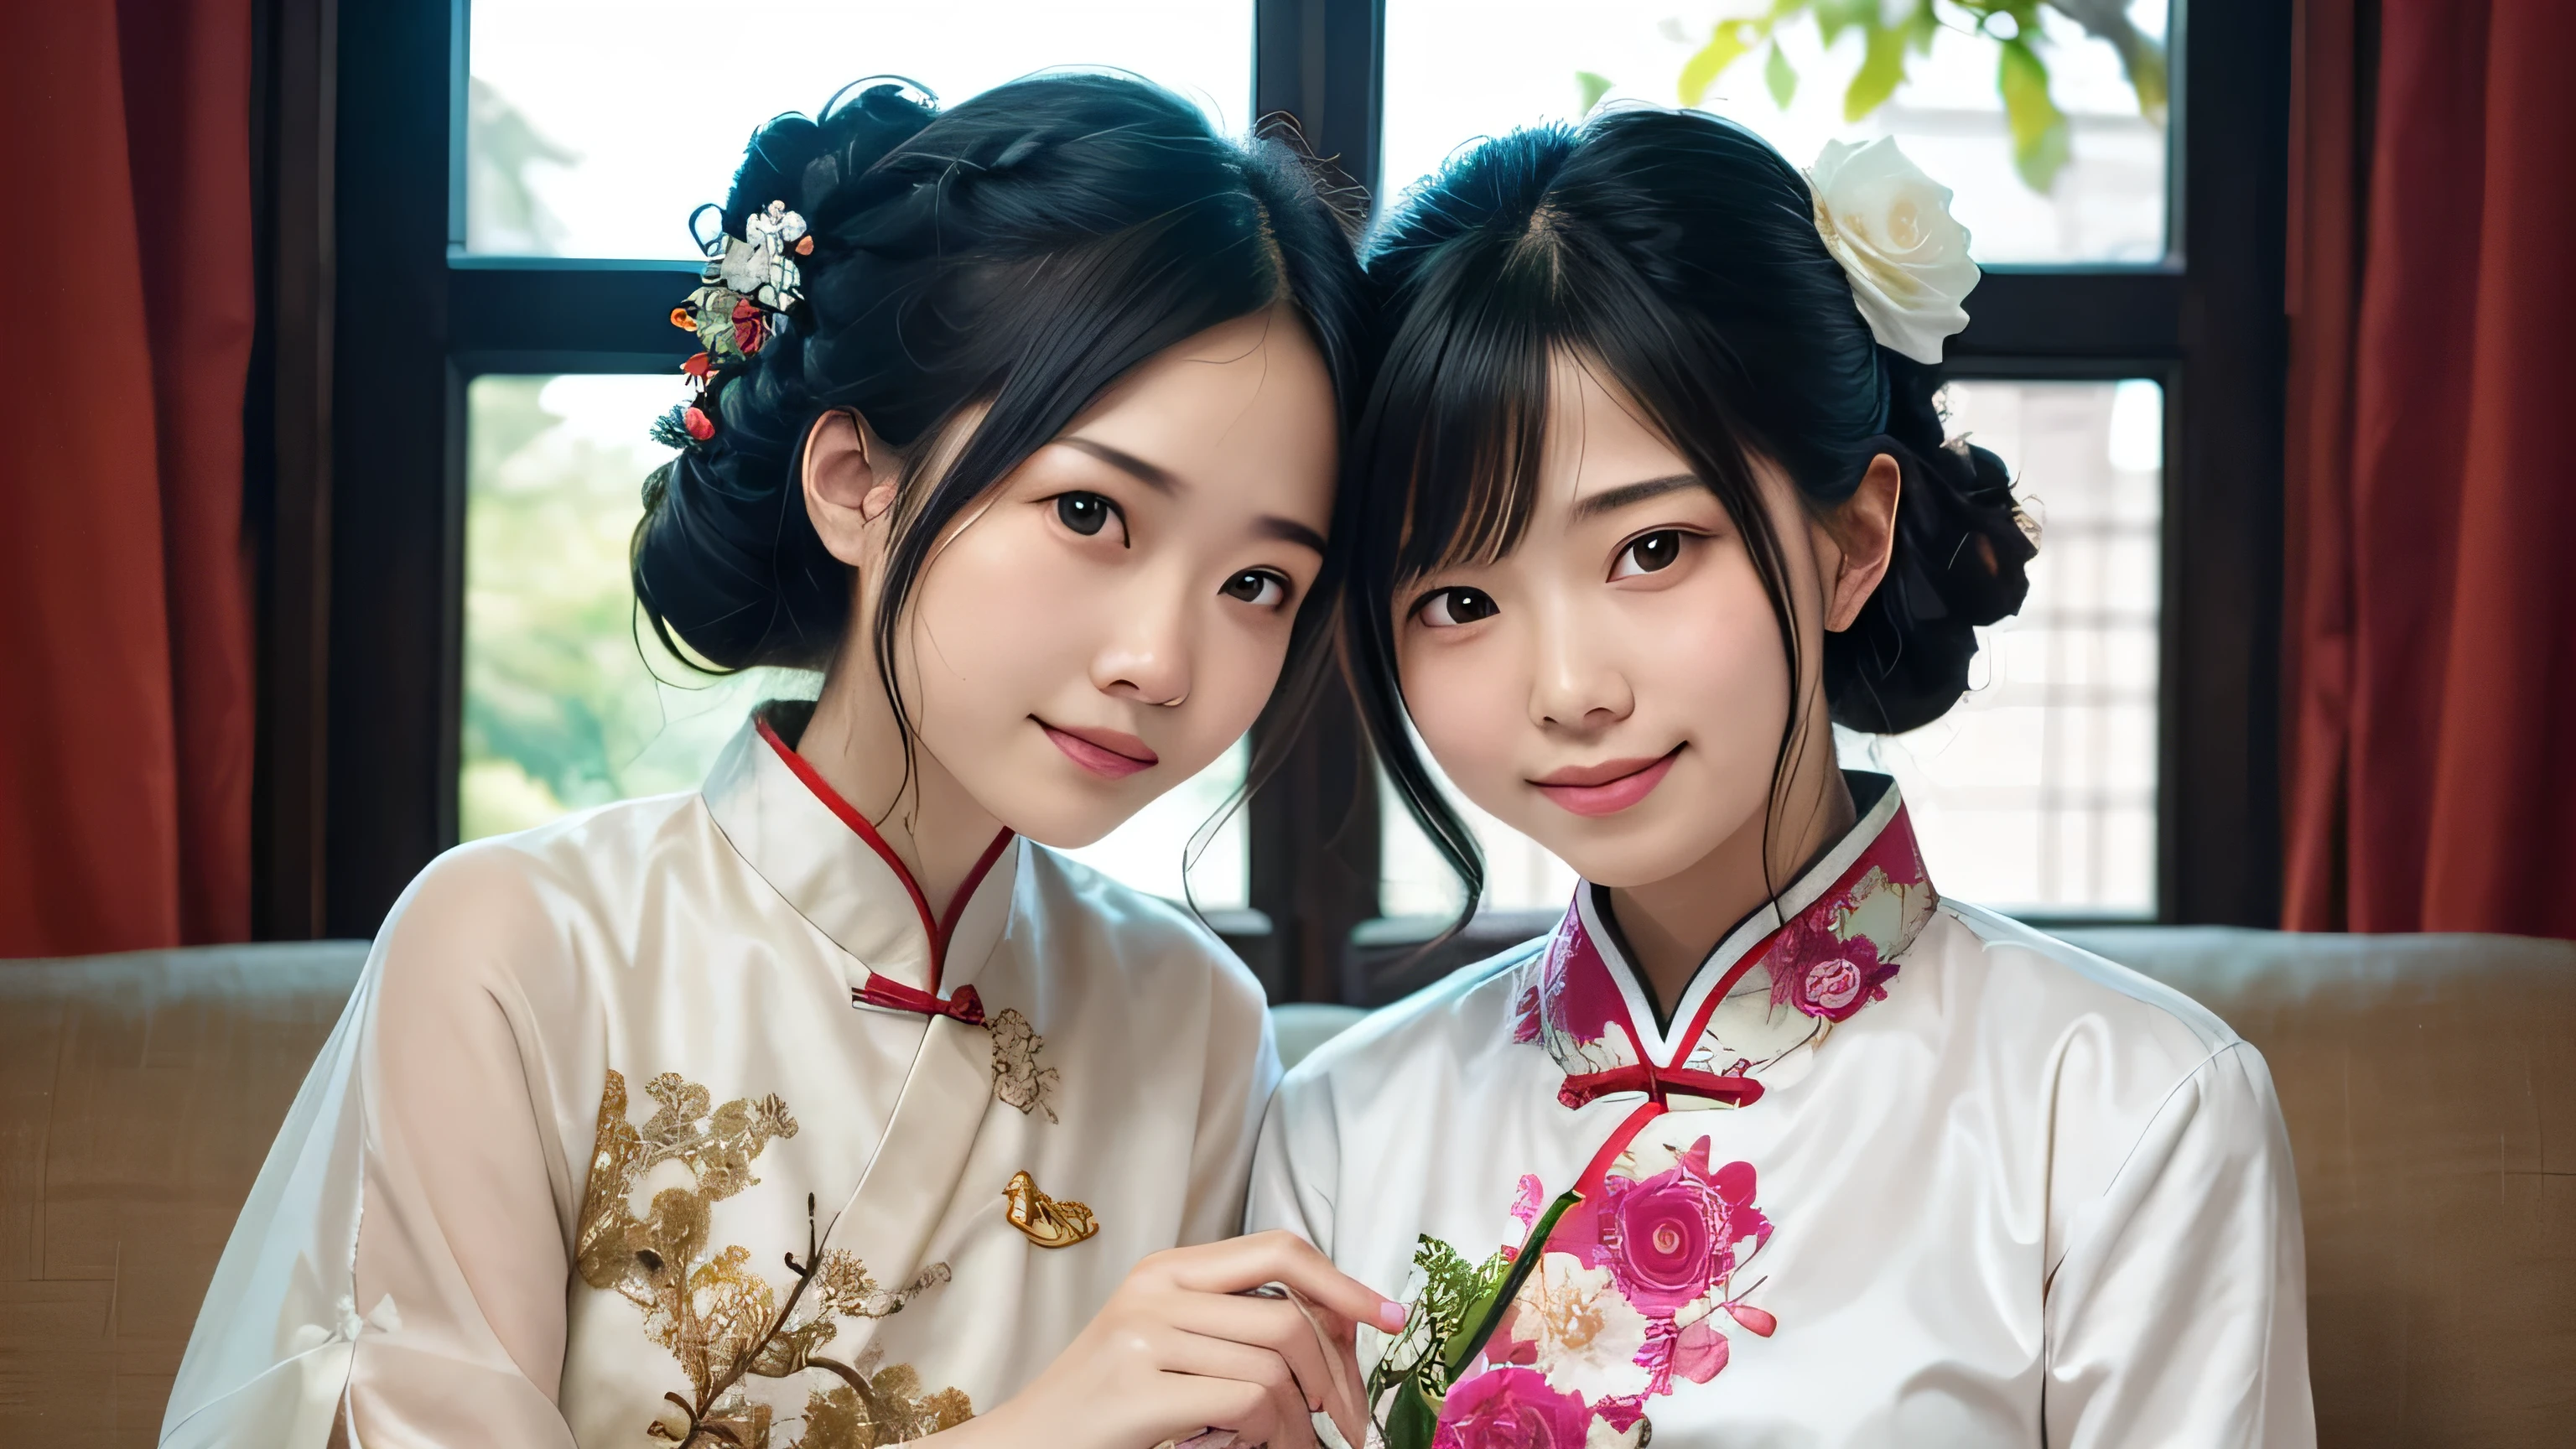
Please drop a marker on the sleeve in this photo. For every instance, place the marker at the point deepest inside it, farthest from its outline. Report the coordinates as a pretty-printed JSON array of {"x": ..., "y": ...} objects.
[
  {"x": 1242, "y": 1067},
  {"x": 2178, "y": 1314},
  {"x": 1296, "y": 1167},
  {"x": 400, "y": 1268}
]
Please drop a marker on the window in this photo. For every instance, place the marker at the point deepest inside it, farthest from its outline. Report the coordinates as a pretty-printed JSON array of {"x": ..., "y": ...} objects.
[
  {"x": 495, "y": 348},
  {"x": 568, "y": 155},
  {"x": 568, "y": 698},
  {"x": 1456, "y": 69},
  {"x": 2038, "y": 792}
]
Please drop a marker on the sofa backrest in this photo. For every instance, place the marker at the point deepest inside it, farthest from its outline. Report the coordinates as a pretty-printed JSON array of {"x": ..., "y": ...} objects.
[{"x": 2429, "y": 1083}]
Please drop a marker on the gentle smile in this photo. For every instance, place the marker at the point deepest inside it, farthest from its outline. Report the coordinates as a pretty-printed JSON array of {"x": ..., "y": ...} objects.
[
  {"x": 1110, "y": 754},
  {"x": 1609, "y": 787}
]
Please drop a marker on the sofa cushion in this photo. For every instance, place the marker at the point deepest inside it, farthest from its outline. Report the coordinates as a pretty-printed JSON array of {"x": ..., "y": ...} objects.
[{"x": 2429, "y": 1083}]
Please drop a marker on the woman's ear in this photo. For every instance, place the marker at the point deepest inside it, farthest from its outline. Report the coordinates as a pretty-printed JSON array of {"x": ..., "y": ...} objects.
[
  {"x": 850, "y": 477},
  {"x": 1863, "y": 527}
]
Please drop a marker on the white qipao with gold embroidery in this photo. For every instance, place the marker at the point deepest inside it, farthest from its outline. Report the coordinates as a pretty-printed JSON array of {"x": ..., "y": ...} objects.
[
  {"x": 683, "y": 1118},
  {"x": 1899, "y": 1172}
]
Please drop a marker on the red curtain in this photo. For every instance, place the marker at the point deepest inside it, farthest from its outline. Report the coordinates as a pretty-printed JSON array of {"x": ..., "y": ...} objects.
[
  {"x": 125, "y": 708},
  {"x": 2431, "y": 650}
]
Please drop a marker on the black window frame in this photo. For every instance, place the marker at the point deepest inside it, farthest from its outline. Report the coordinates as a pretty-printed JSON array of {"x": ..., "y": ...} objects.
[{"x": 375, "y": 319}]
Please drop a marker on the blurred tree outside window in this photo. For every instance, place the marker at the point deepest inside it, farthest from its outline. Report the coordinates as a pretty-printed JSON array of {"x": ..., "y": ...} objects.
[
  {"x": 2046, "y": 119},
  {"x": 570, "y": 701}
]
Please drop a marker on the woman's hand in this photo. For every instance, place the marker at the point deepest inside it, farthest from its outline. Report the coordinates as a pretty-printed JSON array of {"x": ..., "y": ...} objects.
[{"x": 1187, "y": 1344}]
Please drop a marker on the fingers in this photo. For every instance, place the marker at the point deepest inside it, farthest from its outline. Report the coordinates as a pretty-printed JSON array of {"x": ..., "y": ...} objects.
[
  {"x": 1335, "y": 1339},
  {"x": 1275, "y": 1324},
  {"x": 1238, "y": 1387},
  {"x": 1238, "y": 1264}
]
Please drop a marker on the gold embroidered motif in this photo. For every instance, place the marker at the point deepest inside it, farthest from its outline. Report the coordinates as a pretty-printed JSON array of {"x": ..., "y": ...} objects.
[
  {"x": 1018, "y": 1080},
  {"x": 879, "y": 1405},
  {"x": 1046, "y": 1221},
  {"x": 707, "y": 1306}
]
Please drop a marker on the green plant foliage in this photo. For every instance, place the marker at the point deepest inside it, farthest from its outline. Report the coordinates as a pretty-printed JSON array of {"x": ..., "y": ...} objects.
[
  {"x": 1727, "y": 45},
  {"x": 1446, "y": 1326},
  {"x": 2039, "y": 131},
  {"x": 567, "y": 703},
  {"x": 1779, "y": 79},
  {"x": 2041, "y": 138},
  {"x": 1882, "y": 70}
]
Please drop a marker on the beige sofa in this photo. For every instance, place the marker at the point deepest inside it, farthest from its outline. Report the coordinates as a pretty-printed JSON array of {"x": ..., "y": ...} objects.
[{"x": 2429, "y": 1081}]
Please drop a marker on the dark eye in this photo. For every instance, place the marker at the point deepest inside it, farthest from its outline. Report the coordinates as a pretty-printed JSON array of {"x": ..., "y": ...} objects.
[
  {"x": 1084, "y": 513},
  {"x": 1257, "y": 586},
  {"x": 1650, "y": 554},
  {"x": 1449, "y": 608}
]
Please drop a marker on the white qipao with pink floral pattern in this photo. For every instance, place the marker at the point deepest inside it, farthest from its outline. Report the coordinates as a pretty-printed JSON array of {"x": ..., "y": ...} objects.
[{"x": 1895, "y": 1171}]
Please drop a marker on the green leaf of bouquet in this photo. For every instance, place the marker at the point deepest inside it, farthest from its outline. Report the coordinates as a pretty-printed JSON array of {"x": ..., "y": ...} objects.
[
  {"x": 1479, "y": 1327},
  {"x": 1455, "y": 1353},
  {"x": 2039, "y": 132},
  {"x": 1593, "y": 87},
  {"x": 1724, "y": 48},
  {"x": 1410, "y": 1419},
  {"x": 1782, "y": 80},
  {"x": 1882, "y": 70}
]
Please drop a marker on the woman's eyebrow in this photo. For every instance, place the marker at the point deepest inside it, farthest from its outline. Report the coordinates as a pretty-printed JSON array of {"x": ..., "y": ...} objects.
[
  {"x": 1288, "y": 530},
  {"x": 1613, "y": 499},
  {"x": 1158, "y": 479}
]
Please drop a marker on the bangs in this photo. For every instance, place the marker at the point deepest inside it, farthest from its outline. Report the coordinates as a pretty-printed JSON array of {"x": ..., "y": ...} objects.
[{"x": 1462, "y": 401}]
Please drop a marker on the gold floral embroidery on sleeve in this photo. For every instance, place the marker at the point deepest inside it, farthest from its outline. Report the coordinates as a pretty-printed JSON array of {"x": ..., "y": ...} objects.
[
  {"x": 716, "y": 1314},
  {"x": 1018, "y": 1080}
]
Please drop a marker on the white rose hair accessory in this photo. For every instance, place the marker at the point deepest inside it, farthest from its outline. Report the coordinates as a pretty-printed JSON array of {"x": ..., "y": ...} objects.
[{"x": 1890, "y": 227}]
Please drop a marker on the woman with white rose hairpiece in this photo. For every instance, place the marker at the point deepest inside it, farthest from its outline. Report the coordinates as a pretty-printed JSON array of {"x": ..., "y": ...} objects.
[{"x": 1767, "y": 1142}]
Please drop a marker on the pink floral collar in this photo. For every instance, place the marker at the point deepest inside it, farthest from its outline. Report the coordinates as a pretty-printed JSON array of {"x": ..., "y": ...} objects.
[{"x": 1762, "y": 1001}]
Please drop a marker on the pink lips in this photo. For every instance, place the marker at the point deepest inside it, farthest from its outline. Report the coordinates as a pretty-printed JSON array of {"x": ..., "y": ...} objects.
[
  {"x": 1609, "y": 787},
  {"x": 1110, "y": 754}
]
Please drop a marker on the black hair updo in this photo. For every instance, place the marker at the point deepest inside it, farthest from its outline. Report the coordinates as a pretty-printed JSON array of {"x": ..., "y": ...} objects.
[
  {"x": 1022, "y": 250},
  {"x": 1679, "y": 253}
]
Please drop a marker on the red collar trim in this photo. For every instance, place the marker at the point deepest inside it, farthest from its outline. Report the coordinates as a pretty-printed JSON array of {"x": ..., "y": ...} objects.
[{"x": 937, "y": 928}]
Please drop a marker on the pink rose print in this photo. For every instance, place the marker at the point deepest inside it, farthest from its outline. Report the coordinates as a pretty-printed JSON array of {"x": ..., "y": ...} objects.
[
  {"x": 1699, "y": 1352},
  {"x": 1669, "y": 1238},
  {"x": 1575, "y": 988},
  {"x": 1662, "y": 1243},
  {"x": 1525, "y": 1204},
  {"x": 1823, "y": 975},
  {"x": 1621, "y": 1413},
  {"x": 1833, "y": 984},
  {"x": 1511, "y": 1408}
]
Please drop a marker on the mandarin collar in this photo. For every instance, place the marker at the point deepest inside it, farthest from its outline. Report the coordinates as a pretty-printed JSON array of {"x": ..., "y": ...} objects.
[
  {"x": 1770, "y": 993},
  {"x": 828, "y": 862}
]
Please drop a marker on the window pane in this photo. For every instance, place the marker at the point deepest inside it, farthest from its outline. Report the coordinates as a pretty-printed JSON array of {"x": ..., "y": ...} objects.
[
  {"x": 1456, "y": 69},
  {"x": 595, "y": 126},
  {"x": 1520, "y": 874},
  {"x": 1150, "y": 851},
  {"x": 571, "y": 702},
  {"x": 2037, "y": 792}
]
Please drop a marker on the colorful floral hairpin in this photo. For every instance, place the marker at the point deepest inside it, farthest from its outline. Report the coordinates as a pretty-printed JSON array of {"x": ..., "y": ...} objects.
[{"x": 749, "y": 281}]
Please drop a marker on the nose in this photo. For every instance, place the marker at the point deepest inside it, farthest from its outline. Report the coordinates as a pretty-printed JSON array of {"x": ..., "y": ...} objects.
[
  {"x": 1575, "y": 681},
  {"x": 1146, "y": 657}
]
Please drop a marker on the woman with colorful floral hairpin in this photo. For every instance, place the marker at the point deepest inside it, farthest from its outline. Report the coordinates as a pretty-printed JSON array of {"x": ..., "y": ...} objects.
[
  {"x": 824, "y": 1107},
  {"x": 1768, "y": 1142}
]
